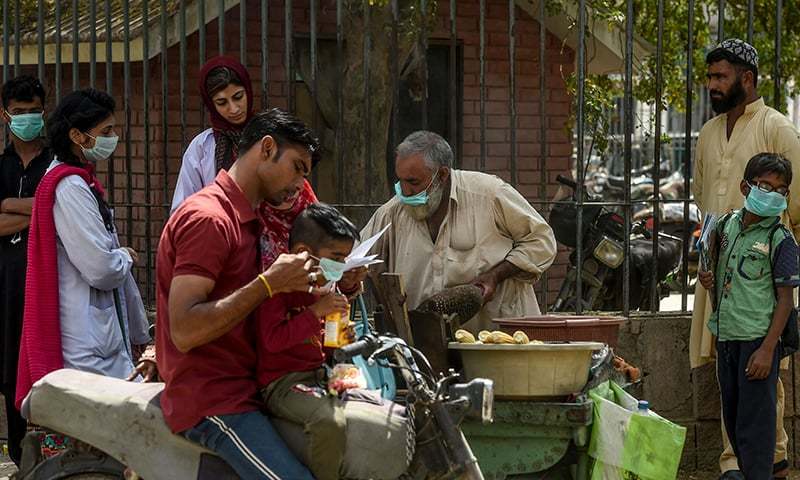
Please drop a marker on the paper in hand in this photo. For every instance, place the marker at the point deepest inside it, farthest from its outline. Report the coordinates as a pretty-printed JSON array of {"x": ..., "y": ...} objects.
[
  {"x": 359, "y": 258},
  {"x": 706, "y": 245}
]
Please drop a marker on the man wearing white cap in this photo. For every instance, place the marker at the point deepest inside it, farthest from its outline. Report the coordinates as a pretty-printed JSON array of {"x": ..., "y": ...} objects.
[{"x": 744, "y": 126}]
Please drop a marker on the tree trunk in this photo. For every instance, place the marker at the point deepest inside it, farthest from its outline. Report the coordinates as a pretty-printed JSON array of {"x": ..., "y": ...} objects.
[{"x": 365, "y": 135}]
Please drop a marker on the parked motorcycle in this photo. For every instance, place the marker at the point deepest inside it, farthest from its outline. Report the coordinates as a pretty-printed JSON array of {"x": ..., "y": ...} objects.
[
  {"x": 603, "y": 254},
  {"x": 120, "y": 423},
  {"x": 603, "y": 185}
]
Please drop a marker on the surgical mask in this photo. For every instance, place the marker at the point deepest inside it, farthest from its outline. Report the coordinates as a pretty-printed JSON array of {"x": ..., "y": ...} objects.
[
  {"x": 414, "y": 200},
  {"x": 103, "y": 148},
  {"x": 764, "y": 204},
  {"x": 331, "y": 269},
  {"x": 423, "y": 212},
  {"x": 26, "y": 126}
]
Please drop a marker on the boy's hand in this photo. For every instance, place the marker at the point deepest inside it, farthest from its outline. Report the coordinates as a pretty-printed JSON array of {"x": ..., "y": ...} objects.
[
  {"x": 706, "y": 279},
  {"x": 350, "y": 332},
  {"x": 351, "y": 280},
  {"x": 330, "y": 303},
  {"x": 760, "y": 364}
]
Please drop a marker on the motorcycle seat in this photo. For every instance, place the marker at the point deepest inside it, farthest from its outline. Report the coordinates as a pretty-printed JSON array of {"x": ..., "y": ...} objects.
[
  {"x": 669, "y": 256},
  {"x": 124, "y": 420}
]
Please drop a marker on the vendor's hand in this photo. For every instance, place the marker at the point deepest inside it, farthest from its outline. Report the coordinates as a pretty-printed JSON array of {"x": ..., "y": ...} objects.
[
  {"x": 147, "y": 369},
  {"x": 330, "y": 303},
  {"x": 488, "y": 284},
  {"x": 351, "y": 280},
  {"x": 760, "y": 364},
  {"x": 132, "y": 253},
  {"x": 291, "y": 273},
  {"x": 706, "y": 279}
]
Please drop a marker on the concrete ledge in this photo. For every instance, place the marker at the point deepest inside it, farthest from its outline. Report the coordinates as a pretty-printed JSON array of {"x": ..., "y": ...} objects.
[{"x": 659, "y": 345}]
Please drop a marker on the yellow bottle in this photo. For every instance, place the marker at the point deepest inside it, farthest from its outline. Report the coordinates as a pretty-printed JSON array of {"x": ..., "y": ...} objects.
[{"x": 336, "y": 326}]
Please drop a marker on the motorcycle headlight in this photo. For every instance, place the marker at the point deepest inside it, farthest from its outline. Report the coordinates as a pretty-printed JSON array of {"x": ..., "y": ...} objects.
[
  {"x": 609, "y": 252},
  {"x": 480, "y": 393}
]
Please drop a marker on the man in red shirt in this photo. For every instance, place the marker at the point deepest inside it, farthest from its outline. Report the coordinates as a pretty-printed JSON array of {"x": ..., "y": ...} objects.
[{"x": 208, "y": 284}]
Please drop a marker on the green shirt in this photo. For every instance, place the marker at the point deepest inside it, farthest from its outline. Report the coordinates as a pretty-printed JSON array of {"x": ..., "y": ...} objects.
[{"x": 745, "y": 275}]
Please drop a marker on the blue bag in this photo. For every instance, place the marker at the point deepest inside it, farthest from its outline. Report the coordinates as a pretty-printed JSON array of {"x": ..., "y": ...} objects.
[{"x": 378, "y": 377}]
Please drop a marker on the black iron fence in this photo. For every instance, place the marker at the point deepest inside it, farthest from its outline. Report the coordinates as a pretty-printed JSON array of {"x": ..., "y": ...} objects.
[{"x": 148, "y": 52}]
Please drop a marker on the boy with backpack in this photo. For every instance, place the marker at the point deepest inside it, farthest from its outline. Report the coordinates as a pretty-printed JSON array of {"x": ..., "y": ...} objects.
[{"x": 753, "y": 281}]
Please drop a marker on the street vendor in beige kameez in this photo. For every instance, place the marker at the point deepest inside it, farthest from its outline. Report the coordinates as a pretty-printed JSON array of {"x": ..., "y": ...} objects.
[
  {"x": 744, "y": 127},
  {"x": 451, "y": 227}
]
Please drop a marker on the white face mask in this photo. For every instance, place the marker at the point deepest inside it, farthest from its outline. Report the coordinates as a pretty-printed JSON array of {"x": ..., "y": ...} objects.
[{"x": 102, "y": 149}]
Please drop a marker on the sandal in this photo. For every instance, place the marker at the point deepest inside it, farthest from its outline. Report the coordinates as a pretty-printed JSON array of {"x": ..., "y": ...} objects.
[
  {"x": 780, "y": 471},
  {"x": 732, "y": 475}
]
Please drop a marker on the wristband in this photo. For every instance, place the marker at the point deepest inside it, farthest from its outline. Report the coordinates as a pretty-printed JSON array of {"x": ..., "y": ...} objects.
[{"x": 266, "y": 284}]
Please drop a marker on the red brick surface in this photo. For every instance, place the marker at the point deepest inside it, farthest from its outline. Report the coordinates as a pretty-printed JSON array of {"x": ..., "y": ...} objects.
[{"x": 135, "y": 206}]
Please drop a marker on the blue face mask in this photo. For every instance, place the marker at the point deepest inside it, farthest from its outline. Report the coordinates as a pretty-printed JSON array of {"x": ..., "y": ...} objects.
[
  {"x": 103, "y": 148},
  {"x": 26, "y": 126},
  {"x": 331, "y": 269},
  {"x": 414, "y": 200},
  {"x": 764, "y": 204}
]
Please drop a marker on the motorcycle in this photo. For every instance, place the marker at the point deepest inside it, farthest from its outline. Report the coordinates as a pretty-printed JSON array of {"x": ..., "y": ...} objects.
[
  {"x": 118, "y": 423},
  {"x": 603, "y": 254},
  {"x": 674, "y": 221},
  {"x": 437, "y": 405}
]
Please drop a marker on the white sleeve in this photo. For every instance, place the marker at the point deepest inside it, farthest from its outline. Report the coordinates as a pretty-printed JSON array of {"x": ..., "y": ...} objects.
[
  {"x": 88, "y": 244},
  {"x": 195, "y": 173},
  {"x": 138, "y": 326}
]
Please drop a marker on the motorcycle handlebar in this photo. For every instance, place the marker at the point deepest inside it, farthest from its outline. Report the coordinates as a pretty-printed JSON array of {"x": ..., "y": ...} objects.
[
  {"x": 359, "y": 347},
  {"x": 567, "y": 181}
]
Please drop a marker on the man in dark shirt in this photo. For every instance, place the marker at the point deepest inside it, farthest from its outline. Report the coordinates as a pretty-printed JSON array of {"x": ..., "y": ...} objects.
[{"x": 22, "y": 165}]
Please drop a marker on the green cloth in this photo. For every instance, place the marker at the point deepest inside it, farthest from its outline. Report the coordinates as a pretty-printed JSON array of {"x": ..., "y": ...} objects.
[
  {"x": 744, "y": 283},
  {"x": 626, "y": 444}
]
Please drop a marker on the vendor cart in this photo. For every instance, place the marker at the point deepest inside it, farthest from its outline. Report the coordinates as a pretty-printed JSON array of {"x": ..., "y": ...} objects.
[{"x": 533, "y": 440}]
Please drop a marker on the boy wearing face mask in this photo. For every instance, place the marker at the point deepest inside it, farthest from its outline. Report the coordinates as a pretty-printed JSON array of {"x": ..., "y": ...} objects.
[
  {"x": 22, "y": 166},
  {"x": 290, "y": 341},
  {"x": 756, "y": 272}
]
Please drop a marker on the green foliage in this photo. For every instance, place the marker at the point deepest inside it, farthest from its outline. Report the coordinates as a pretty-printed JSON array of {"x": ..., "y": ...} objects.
[
  {"x": 673, "y": 55},
  {"x": 599, "y": 93}
]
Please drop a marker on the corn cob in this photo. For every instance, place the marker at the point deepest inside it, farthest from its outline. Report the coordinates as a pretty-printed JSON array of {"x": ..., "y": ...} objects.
[
  {"x": 521, "y": 338},
  {"x": 463, "y": 336},
  {"x": 485, "y": 336},
  {"x": 501, "y": 337}
]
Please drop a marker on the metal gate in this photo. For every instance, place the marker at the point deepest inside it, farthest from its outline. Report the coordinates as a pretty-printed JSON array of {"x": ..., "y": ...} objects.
[{"x": 146, "y": 52}]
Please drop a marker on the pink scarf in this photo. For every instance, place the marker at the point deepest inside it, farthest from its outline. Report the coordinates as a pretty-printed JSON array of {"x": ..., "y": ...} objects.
[{"x": 40, "y": 347}]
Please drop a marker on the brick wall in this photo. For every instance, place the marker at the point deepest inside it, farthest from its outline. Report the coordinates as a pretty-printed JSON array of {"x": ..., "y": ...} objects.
[{"x": 139, "y": 209}]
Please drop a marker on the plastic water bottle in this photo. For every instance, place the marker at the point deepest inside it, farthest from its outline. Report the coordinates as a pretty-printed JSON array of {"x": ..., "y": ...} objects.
[{"x": 643, "y": 408}]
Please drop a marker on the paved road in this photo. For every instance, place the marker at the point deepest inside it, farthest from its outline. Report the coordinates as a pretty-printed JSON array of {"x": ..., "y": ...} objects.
[
  {"x": 673, "y": 303},
  {"x": 7, "y": 467}
]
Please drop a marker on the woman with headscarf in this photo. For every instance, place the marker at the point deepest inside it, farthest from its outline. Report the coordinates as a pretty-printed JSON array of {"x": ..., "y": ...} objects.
[{"x": 228, "y": 96}]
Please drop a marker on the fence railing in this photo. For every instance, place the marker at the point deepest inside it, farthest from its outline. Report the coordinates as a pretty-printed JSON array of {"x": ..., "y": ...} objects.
[{"x": 500, "y": 91}]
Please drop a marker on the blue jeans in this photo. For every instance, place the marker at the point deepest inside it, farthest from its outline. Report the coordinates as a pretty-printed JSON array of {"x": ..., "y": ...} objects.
[{"x": 250, "y": 445}]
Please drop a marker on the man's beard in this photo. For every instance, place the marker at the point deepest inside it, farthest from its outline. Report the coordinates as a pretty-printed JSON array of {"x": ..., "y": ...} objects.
[
  {"x": 730, "y": 101},
  {"x": 423, "y": 212}
]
